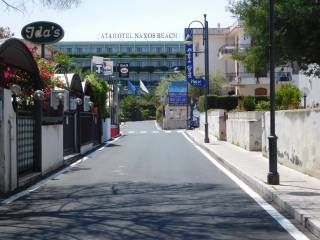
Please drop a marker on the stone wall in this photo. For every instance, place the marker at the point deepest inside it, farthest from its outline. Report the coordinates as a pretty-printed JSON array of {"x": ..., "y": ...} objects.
[
  {"x": 244, "y": 129},
  {"x": 298, "y": 132}
]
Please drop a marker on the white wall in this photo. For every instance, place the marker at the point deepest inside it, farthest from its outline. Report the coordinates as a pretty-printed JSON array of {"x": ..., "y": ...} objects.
[
  {"x": 244, "y": 129},
  {"x": 106, "y": 128},
  {"x": 8, "y": 160},
  {"x": 52, "y": 147},
  {"x": 309, "y": 85},
  {"x": 216, "y": 123},
  {"x": 298, "y": 134}
]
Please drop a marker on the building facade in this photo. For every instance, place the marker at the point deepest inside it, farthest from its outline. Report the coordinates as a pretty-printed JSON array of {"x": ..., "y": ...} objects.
[
  {"x": 222, "y": 44},
  {"x": 149, "y": 61}
]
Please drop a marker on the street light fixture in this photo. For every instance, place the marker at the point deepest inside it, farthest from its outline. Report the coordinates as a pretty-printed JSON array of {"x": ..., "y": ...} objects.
[
  {"x": 188, "y": 40},
  {"x": 273, "y": 175}
]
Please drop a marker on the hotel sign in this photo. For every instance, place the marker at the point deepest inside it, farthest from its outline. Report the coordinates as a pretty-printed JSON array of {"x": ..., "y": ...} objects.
[{"x": 137, "y": 35}]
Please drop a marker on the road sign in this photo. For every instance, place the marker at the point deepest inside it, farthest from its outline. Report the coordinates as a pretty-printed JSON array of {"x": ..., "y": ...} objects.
[{"x": 178, "y": 93}]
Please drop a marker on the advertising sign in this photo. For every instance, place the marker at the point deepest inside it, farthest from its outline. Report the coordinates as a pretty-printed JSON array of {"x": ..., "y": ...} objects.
[
  {"x": 42, "y": 32},
  {"x": 103, "y": 66},
  {"x": 123, "y": 70},
  {"x": 178, "y": 93},
  {"x": 196, "y": 82}
]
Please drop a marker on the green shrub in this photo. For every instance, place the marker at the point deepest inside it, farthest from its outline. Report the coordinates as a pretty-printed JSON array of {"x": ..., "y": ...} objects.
[
  {"x": 159, "y": 113},
  {"x": 263, "y": 106},
  {"x": 218, "y": 102},
  {"x": 249, "y": 103},
  {"x": 288, "y": 96}
]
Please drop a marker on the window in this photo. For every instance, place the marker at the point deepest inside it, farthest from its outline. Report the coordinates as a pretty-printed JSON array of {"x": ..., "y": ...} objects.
[
  {"x": 159, "y": 49},
  {"x": 79, "y": 50},
  {"x": 169, "y": 50},
  {"x": 139, "y": 49},
  {"x": 109, "y": 50},
  {"x": 129, "y": 49},
  {"x": 139, "y": 64},
  {"x": 69, "y": 50},
  {"x": 99, "y": 50}
]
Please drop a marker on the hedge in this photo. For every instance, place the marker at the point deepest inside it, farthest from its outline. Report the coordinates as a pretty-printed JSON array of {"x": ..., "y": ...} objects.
[
  {"x": 226, "y": 102},
  {"x": 219, "y": 102}
]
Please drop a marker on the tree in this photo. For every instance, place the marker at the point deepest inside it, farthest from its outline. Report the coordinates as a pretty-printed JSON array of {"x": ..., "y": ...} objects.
[
  {"x": 55, "y": 4},
  {"x": 5, "y": 32},
  {"x": 64, "y": 61},
  {"x": 296, "y": 33}
]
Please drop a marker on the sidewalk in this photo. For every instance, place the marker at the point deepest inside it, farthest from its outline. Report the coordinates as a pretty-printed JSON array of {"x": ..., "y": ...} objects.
[{"x": 297, "y": 194}]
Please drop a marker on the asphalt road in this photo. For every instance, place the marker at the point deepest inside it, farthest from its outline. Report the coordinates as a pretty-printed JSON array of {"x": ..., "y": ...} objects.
[{"x": 147, "y": 185}]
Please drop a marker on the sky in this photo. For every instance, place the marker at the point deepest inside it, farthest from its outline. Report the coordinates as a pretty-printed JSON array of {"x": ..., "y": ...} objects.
[{"x": 93, "y": 17}]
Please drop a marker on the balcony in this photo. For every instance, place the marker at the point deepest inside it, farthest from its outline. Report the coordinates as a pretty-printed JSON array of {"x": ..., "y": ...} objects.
[
  {"x": 226, "y": 51},
  {"x": 250, "y": 78}
]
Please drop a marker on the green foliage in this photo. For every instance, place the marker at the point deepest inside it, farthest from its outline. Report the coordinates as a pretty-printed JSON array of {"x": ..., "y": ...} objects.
[
  {"x": 159, "y": 114},
  {"x": 216, "y": 84},
  {"x": 296, "y": 32},
  {"x": 218, "y": 102},
  {"x": 263, "y": 106},
  {"x": 249, "y": 103},
  {"x": 64, "y": 60},
  {"x": 288, "y": 96},
  {"x": 136, "y": 108},
  {"x": 100, "y": 89},
  {"x": 120, "y": 55},
  {"x": 295, "y": 19}
]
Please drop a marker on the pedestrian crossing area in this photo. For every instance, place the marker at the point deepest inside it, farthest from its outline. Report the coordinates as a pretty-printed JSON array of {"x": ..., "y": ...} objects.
[{"x": 143, "y": 132}]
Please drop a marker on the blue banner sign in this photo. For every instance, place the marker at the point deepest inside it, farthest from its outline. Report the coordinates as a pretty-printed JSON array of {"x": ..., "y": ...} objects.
[
  {"x": 178, "y": 93},
  {"x": 196, "y": 82}
]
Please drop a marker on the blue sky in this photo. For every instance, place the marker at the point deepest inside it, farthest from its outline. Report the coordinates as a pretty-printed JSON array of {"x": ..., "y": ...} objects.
[{"x": 92, "y": 17}]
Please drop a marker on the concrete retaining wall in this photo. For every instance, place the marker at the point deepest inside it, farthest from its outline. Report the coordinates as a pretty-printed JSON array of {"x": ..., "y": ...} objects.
[
  {"x": 106, "y": 129},
  {"x": 52, "y": 147},
  {"x": 216, "y": 123},
  {"x": 244, "y": 129},
  {"x": 298, "y": 133}
]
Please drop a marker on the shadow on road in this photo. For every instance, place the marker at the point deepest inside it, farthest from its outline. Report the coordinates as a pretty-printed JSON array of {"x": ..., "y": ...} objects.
[{"x": 127, "y": 210}]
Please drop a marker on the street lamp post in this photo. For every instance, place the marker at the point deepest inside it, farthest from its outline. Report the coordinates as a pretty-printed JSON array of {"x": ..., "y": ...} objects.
[
  {"x": 273, "y": 176},
  {"x": 205, "y": 30}
]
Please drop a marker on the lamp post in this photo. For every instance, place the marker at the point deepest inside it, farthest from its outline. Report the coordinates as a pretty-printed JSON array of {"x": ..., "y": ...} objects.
[
  {"x": 206, "y": 68},
  {"x": 273, "y": 176}
]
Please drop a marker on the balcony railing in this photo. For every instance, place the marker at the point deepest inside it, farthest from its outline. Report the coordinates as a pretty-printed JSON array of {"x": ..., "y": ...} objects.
[{"x": 250, "y": 78}]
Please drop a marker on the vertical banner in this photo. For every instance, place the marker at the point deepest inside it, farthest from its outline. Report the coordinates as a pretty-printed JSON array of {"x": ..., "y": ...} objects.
[
  {"x": 196, "y": 82},
  {"x": 189, "y": 56},
  {"x": 123, "y": 70}
]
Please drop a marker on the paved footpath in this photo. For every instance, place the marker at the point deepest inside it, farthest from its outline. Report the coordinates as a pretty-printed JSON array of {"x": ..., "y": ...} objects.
[{"x": 297, "y": 194}]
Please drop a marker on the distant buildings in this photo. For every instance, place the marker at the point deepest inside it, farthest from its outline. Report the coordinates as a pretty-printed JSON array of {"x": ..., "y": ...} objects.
[{"x": 149, "y": 60}]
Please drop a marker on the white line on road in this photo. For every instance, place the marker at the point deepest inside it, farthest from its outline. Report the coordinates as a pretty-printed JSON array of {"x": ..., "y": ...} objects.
[
  {"x": 285, "y": 223},
  {"x": 131, "y": 132},
  {"x": 53, "y": 176},
  {"x": 168, "y": 131},
  {"x": 143, "y": 132},
  {"x": 180, "y": 131},
  {"x": 155, "y": 131},
  {"x": 157, "y": 126}
]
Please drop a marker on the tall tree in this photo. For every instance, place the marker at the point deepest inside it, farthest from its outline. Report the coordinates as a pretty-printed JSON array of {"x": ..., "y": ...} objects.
[
  {"x": 55, "y": 4},
  {"x": 297, "y": 33},
  {"x": 5, "y": 32}
]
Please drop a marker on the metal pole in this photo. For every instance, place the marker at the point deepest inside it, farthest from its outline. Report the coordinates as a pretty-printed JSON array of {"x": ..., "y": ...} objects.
[
  {"x": 206, "y": 63},
  {"x": 273, "y": 176},
  {"x": 42, "y": 50}
]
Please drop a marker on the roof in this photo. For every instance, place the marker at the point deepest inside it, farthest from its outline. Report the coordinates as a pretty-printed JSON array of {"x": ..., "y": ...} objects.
[{"x": 14, "y": 53}]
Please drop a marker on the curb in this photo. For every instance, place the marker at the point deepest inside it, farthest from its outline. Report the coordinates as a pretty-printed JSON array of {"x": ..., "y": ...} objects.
[{"x": 313, "y": 225}]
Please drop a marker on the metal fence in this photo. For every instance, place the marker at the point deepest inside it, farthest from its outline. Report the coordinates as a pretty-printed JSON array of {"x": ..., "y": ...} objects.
[{"x": 25, "y": 141}]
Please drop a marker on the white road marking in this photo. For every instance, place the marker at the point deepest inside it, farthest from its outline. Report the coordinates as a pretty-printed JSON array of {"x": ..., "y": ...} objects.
[
  {"x": 143, "y": 132},
  {"x": 157, "y": 126},
  {"x": 53, "y": 176},
  {"x": 155, "y": 131},
  {"x": 180, "y": 131},
  {"x": 285, "y": 223},
  {"x": 168, "y": 131},
  {"x": 131, "y": 132}
]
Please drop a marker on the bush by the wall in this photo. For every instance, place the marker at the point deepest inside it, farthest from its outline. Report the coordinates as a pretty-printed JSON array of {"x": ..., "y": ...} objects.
[
  {"x": 219, "y": 102},
  {"x": 288, "y": 96},
  {"x": 263, "y": 106},
  {"x": 249, "y": 103}
]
